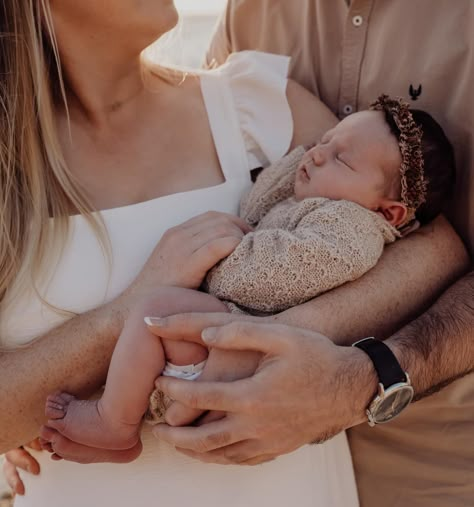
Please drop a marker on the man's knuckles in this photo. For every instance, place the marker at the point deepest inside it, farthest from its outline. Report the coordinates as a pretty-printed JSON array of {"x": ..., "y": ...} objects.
[{"x": 211, "y": 442}]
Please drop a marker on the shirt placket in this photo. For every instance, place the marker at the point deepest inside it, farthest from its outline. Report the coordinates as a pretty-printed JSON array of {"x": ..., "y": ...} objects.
[{"x": 353, "y": 49}]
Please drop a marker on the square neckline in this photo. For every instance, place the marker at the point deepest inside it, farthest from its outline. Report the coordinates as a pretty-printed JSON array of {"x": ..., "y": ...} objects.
[{"x": 217, "y": 96}]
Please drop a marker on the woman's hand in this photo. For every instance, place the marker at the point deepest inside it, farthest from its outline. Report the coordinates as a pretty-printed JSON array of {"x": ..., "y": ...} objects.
[
  {"x": 17, "y": 459},
  {"x": 188, "y": 251}
]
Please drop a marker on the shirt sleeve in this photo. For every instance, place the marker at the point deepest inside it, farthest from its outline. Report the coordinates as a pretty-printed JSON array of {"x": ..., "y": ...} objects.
[{"x": 257, "y": 83}]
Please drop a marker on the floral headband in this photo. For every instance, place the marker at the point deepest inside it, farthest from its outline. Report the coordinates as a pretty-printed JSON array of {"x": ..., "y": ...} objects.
[{"x": 413, "y": 182}]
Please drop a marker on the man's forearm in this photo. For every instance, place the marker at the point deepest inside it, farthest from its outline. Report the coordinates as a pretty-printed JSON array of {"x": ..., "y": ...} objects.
[
  {"x": 438, "y": 347},
  {"x": 73, "y": 357}
]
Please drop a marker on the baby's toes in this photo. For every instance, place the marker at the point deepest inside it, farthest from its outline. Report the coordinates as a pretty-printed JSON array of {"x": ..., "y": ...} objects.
[
  {"x": 57, "y": 405},
  {"x": 54, "y": 411}
]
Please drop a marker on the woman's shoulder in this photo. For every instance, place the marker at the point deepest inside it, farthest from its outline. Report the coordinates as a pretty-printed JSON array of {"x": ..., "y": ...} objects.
[{"x": 251, "y": 87}]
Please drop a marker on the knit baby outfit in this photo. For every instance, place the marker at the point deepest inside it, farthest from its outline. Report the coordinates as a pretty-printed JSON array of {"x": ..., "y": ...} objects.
[{"x": 297, "y": 250}]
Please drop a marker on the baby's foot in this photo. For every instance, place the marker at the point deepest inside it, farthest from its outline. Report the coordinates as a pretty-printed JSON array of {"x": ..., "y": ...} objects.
[
  {"x": 62, "y": 448},
  {"x": 85, "y": 422}
]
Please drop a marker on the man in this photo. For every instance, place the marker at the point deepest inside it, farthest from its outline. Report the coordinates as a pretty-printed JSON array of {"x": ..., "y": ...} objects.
[{"x": 348, "y": 53}]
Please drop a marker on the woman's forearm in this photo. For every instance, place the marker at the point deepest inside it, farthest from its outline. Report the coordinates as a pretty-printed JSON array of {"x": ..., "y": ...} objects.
[
  {"x": 73, "y": 357},
  {"x": 411, "y": 274}
]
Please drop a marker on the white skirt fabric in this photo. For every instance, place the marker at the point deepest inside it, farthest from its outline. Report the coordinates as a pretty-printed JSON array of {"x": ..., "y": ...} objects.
[{"x": 313, "y": 476}]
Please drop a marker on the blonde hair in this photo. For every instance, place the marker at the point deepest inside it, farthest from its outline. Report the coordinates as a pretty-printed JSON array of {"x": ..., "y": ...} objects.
[{"x": 35, "y": 184}]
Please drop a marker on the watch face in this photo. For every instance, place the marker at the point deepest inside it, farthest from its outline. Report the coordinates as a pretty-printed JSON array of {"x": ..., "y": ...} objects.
[{"x": 396, "y": 398}]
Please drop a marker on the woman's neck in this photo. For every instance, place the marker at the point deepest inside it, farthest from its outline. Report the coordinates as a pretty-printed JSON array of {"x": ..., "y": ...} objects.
[{"x": 101, "y": 75}]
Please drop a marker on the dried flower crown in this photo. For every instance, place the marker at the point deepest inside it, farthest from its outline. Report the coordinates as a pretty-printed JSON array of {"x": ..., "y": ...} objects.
[{"x": 412, "y": 174}]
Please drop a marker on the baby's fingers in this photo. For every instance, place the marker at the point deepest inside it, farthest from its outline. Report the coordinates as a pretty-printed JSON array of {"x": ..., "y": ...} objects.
[
  {"x": 13, "y": 478},
  {"x": 21, "y": 458},
  {"x": 34, "y": 444}
]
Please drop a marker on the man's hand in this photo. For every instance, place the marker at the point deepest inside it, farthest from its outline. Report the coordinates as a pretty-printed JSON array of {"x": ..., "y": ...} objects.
[
  {"x": 223, "y": 366},
  {"x": 305, "y": 389}
]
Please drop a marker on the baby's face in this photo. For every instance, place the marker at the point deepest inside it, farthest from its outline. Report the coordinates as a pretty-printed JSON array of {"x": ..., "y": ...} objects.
[{"x": 358, "y": 160}]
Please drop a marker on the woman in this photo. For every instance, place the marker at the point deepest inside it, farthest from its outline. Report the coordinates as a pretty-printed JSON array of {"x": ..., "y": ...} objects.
[
  {"x": 113, "y": 134},
  {"x": 104, "y": 131}
]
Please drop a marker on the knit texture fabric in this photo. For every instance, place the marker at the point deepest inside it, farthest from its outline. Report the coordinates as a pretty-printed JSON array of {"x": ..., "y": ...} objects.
[{"x": 298, "y": 249}]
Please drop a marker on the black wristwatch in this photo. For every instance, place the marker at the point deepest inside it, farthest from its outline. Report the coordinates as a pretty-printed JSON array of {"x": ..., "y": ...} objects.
[{"x": 395, "y": 389}]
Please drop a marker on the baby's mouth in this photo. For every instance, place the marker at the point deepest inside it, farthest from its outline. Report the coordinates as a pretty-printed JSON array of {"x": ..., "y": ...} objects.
[{"x": 305, "y": 171}]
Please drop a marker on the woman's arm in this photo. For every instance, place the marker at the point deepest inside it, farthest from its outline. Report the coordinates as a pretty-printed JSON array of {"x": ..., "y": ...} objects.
[{"x": 74, "y": 357}]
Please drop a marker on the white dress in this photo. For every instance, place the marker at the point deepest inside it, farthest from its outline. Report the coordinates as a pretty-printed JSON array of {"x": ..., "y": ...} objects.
[{"x": 251, "y": 123}]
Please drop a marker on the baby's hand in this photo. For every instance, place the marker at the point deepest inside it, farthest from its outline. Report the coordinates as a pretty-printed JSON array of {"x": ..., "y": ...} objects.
[
  {"x": 222, "y": 365},
  {"x": 17, "y": 459}
]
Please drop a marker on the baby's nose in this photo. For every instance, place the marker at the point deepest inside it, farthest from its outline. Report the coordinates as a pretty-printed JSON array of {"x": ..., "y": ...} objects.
[{"x": 318, "y": 156}]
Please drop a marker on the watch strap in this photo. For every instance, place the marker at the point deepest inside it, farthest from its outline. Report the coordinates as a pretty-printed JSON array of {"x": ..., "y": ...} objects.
[{"x": 386, "y": 364}]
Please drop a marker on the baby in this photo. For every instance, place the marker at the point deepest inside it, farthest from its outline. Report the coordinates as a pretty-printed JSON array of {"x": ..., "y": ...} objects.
[{"x": 322, "y": 217}]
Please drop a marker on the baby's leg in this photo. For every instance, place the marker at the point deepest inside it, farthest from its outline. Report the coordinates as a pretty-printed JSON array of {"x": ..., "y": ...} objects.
[{"x": 113, "y": 421}]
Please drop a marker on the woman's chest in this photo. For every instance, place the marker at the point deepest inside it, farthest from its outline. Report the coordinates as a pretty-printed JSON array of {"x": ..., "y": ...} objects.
[
  {"x": 161, "y": 153},
  {"x": 85, "y": 278}
]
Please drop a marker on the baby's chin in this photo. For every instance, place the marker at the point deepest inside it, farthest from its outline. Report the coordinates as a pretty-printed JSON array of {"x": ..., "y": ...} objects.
[
  {"x": 297, "y": 193},
  {"x": 301, "y": 192}
]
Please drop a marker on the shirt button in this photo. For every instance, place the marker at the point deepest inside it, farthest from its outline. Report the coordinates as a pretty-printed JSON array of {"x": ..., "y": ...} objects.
[
  {"x": 357, "y": 20},
  {"x": 347, "y": 109}
]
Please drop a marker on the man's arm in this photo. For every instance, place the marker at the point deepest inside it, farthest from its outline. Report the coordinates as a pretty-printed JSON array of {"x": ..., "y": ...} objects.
[
  {"x": 438, "y": 347},
  {"x": 307, "y": 389},
  {"x": 310, "y": 380},
  {"x": 408, "y": 278}
]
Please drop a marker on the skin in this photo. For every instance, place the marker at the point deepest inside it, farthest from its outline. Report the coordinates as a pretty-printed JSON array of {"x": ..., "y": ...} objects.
[
  {"x": 357, "y": 160},
  {"x": 253, "y": 430},
  {"x": 116, "y": 121}
]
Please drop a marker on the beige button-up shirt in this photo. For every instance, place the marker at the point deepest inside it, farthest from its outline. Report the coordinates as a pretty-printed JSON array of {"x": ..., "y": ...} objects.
[{"x": 348, "y": 53}]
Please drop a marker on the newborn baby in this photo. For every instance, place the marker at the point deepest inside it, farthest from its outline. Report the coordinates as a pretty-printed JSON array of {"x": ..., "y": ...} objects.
[{"x": 322, "y": 217}]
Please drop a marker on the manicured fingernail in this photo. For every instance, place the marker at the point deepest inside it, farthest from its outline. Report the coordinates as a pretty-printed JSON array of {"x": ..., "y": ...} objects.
[
  {"x": 154, "y": 321},
  {"x": 209, "y": 335}
]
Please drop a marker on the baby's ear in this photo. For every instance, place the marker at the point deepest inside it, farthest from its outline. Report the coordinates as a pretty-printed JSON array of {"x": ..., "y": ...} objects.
[{"x": 395, "y": 212}]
